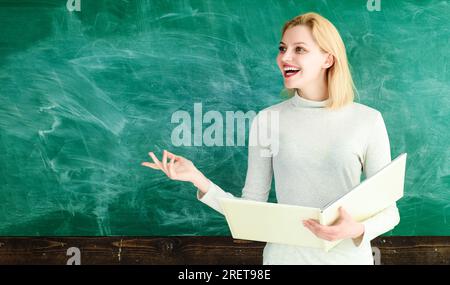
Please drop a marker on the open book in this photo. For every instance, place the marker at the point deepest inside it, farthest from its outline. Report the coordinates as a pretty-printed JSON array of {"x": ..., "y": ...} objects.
[{"x": 279, "y": 223}]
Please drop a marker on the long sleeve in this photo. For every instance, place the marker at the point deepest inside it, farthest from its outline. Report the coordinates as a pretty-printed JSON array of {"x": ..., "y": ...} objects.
[
  {"x": 259, "y": 171},
  {"x": 377, "y": 156}
]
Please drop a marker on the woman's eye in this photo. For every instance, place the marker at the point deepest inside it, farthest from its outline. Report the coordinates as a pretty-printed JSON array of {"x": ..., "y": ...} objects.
[{"x": 297, "y": 49}]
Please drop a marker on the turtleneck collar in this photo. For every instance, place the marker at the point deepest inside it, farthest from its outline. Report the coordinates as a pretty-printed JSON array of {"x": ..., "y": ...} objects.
[{"x": 299, "y": 101}]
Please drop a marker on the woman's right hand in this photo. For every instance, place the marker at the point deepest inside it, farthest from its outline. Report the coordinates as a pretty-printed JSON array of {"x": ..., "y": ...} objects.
[{"x": 179, "y": 168}]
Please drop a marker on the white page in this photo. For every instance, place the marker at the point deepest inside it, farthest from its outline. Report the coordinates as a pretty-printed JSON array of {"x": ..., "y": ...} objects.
[{"x": 270, "y": 222}]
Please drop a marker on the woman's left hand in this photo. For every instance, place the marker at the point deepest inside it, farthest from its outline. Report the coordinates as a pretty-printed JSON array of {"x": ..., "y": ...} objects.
[{"x": 344, "y": 227}]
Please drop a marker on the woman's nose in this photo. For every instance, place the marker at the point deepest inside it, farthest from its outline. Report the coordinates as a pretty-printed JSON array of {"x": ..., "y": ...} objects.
[{"x": 286, "y": 57}]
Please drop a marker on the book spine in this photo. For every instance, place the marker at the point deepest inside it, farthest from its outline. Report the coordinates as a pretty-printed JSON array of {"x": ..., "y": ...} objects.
[{"x": 322, "y": 222}]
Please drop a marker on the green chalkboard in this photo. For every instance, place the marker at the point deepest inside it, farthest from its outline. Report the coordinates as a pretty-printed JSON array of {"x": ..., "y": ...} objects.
[{"x": 86, "y": 94}]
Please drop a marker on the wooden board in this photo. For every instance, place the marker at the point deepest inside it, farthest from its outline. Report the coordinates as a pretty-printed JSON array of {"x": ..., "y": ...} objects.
[{"x": 194, "y": 250}]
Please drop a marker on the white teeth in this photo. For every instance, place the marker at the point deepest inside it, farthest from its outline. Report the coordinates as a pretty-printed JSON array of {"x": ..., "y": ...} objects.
[{"x": 290, "y": 68}]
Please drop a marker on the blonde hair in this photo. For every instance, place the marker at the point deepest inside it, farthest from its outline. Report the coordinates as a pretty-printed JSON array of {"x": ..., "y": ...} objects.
[{"x": 339, "y": 80}]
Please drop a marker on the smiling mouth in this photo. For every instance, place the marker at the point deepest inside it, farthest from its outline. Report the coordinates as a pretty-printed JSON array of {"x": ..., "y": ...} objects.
[{"x": 290, "y": 71}]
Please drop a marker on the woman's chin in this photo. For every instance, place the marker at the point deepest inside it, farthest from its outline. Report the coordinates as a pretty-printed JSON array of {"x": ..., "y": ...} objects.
[{"x": 291, "y": 86}]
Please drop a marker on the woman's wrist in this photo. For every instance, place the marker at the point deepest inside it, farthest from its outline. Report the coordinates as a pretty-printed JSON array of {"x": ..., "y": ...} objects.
[{"x": 200, "y": 181}]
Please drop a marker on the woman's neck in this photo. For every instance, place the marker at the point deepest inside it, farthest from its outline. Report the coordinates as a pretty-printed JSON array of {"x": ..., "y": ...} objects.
[{"x": 315, "y": 92}]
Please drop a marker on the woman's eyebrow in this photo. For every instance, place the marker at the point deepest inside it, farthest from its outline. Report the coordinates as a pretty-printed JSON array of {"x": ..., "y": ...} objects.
[{"x": 295, "y": 43}]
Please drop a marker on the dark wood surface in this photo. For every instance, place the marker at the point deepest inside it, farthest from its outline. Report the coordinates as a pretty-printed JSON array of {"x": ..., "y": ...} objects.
[{"x": 194, "y": 250}]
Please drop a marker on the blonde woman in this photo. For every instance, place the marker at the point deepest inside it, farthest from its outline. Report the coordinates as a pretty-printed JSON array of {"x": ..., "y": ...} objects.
[{"x": 325, "y": 142}]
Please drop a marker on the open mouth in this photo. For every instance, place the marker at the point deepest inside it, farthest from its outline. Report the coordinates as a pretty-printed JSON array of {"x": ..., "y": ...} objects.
[{"x": 290, "y": 71}]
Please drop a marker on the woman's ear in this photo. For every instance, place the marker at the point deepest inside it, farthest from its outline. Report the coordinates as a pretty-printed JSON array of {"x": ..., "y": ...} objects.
[{"x": 329, "y": 61}]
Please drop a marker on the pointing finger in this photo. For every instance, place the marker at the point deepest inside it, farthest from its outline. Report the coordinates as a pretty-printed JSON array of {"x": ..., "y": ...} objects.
[
  {"x": 151, "y": 165},
  {"x": 157, "y": 162},
  {"x": 164, "y": 160}
]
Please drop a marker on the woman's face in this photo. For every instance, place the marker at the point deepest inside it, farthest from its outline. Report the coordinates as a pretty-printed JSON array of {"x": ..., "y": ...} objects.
[{"x": 300, "y": 59}]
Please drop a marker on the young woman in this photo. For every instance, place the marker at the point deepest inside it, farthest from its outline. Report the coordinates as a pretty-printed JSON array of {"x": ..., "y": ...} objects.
[{"x": 325, "y": 142}]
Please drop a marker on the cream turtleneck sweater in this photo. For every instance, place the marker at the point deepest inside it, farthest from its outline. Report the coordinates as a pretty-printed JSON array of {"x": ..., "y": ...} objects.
[{"x": 320, "y": 156}]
